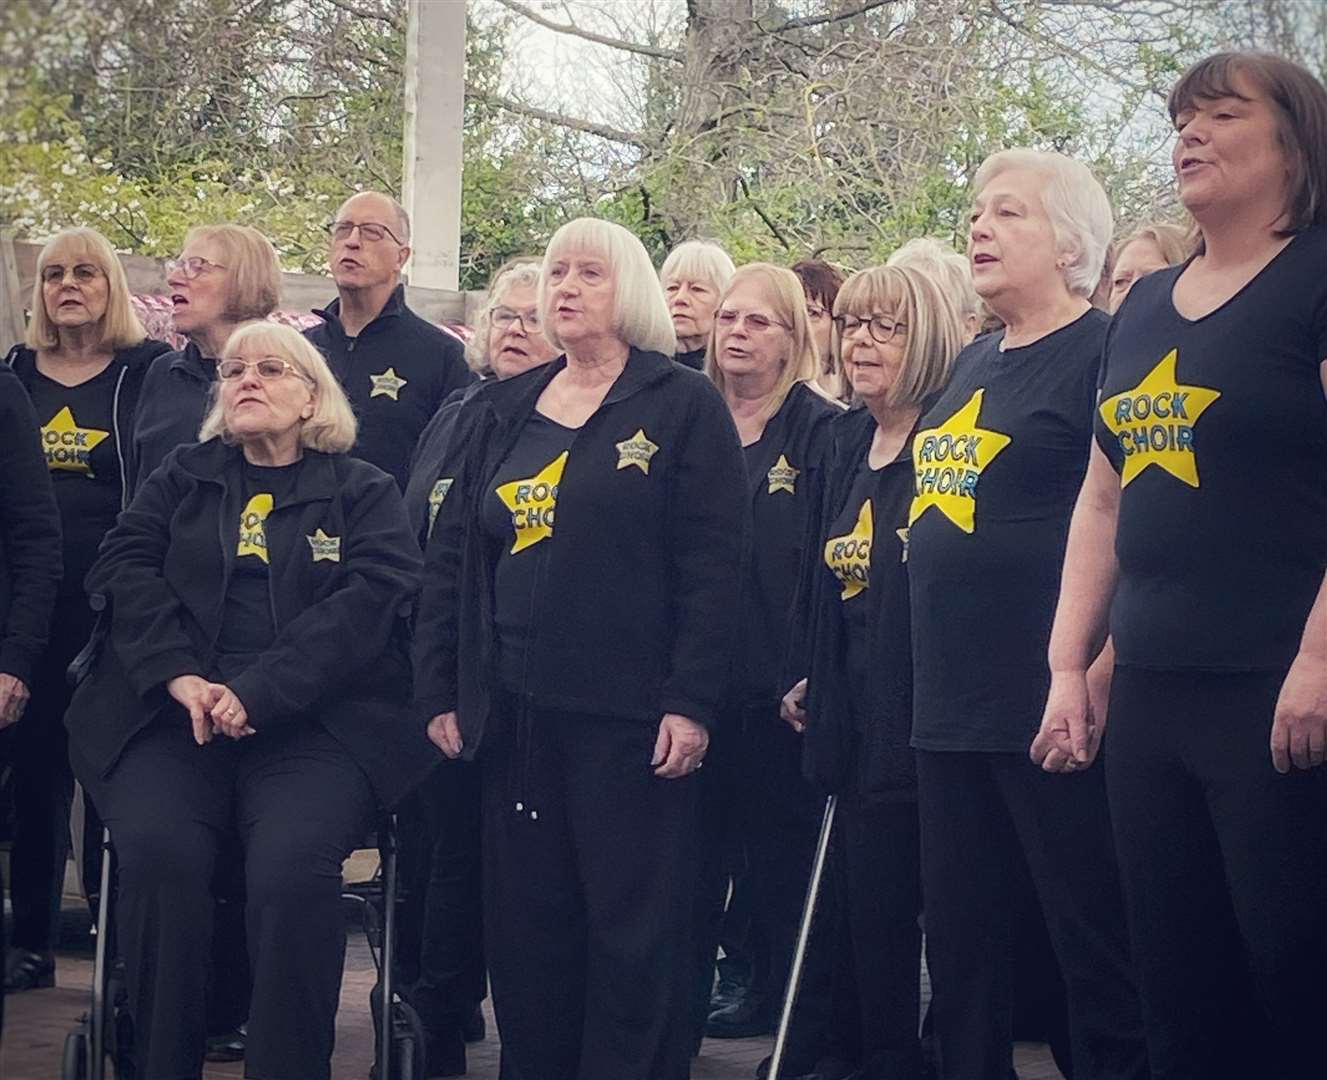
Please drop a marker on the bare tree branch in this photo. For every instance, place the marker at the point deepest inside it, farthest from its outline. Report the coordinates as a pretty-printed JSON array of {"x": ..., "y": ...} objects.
[
  {"x": 366, "y": 13},
  {"x": 590, "y": 35},
  {"x": 821, "y": 20},
  {"x": 521, "y": 109}
]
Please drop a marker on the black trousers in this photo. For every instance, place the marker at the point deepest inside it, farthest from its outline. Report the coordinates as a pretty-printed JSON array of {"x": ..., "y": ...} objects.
[
  {"x": 589, "y": 867},
  {"x": 443, "y": 952},
  {"x": 37, "y": 748},
  {"x": 981, "y": 813},
  {"x": 1224, "y": 863},
  {"x": 300, "y": 805}
]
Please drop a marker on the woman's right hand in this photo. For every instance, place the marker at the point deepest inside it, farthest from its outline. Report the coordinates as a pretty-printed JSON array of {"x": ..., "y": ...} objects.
[
  {"x": 1070, "y": 735},
  {"x": 793, "y": 707},
  {"x": 198, "y": 697},
  {"x": 445, "y": 733}
]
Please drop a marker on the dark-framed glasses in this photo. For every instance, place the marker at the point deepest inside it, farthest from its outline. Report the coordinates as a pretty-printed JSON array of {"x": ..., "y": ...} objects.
[
  {"x": 754, "y": 321},
  {"x": 504, "y": 318},
  {"x": 881, "y": 327},
  {"x": 268, "y": 367},
  {"x": 370, "y": 231},
  {"x": 83, "y": 273},
  {"x": 191, "y": 267}
]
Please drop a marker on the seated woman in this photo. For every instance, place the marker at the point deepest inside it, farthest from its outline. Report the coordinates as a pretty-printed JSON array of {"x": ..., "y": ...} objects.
[{"x": 254, "y": 680}]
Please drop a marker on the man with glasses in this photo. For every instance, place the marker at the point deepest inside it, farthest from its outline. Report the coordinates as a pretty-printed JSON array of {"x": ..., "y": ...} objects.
[{"x": 396, "y": 368}]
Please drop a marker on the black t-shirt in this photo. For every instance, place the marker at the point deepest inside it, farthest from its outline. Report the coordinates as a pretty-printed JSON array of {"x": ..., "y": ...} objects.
[
  {"x": 997, "y": 462},
  {"x": 518, "y": 513},
  {"x": 1218, "y": 428},
  {"x": 78, "y": 436},
  {"x": 248, "y": 625},
  {"x": 866, "y": 555}
]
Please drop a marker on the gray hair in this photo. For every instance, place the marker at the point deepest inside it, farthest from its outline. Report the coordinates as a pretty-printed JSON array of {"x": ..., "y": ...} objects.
[
  {"x": 950, "y": 270},
  {"x": 640, "y": 312},
  {"x": 699, "y": 260},
  {"x": 522, "y": 270},
  {"x": 1076, "y": 203}
]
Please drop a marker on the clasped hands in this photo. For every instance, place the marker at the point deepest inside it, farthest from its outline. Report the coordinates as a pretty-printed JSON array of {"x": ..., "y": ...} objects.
[{"x": 213, "y": 708}]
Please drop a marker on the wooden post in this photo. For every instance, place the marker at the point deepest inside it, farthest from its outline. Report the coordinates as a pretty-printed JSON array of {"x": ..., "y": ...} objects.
[
  {"x": 13, "y": 326},
  {"x": 434, "y": 113}
]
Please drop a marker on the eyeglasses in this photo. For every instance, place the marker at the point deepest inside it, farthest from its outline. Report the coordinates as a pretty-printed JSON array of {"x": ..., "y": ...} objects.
[
  {"x": 753, "y": 320},
  {"x": 191, "y": 267},
  {"x": 371, "y": 231},
  {"x": 268, "y": 367},
  {"x": 83, "y": 274},
  {"x": 504, "y": 317},
  {"x": 882, "y": 329},
  {"x": 815, "y": 313}
]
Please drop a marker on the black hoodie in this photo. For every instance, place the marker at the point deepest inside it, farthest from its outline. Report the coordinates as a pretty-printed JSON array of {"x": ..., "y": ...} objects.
[
  {"x": 343, "y": 574},
  {"x": 173, "y": 404},
  {"x": 29, "y": 534},
  {"x": 397, "y": 373},
  {"x": 636, "y": 612}
]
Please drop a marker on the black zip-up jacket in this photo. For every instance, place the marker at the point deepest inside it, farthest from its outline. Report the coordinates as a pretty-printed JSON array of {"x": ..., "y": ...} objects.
[
  {"x": 343, "y": 572},
  {"x": 397, "y": 373},
  {"x": 782, "y": 486},
  {"x": 30, "y": 559},
  {"x": 134, "y": 363},
  {"x": 432, "y": 461},
  {"x": 171, "y": 408},
  {"x": 692, "y": 358},
  {"x": 876, "y": 762},
  {"x": 637, "y": 610}
]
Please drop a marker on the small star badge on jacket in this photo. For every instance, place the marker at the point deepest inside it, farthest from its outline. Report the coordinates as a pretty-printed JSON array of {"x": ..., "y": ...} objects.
[
  {"x": 388, "y": 384},
  {"x": 325, "y": 547},
  {"x": 636, "y": 451}
]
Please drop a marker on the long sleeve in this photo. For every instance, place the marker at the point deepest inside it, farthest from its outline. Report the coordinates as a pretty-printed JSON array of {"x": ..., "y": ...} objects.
[{"x": 30, "y": 553}]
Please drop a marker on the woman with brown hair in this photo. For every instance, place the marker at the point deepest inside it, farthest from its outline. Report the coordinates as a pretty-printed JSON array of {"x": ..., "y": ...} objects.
[{"x": 1200, "y": 535}]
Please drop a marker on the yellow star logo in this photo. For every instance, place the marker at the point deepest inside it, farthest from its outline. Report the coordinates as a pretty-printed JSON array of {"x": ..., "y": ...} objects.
[
  {"x": 948, "y": 462},
  {"x": 324, "y": 546},
  {"x": 849, "y": 556},
  {"x": 782, "y": 477},
  {"x": 1154, "y": 423},
  {"x": 69, "y": 447},
  {"x": 388, "y": 384},
  {"x": 533, "y": 503},
  {"x": 636, "y": 451},
  {"x": 902, "y": 535},
  {"x": 436, "y": 495},
  {"x": 253, "y": 529}
]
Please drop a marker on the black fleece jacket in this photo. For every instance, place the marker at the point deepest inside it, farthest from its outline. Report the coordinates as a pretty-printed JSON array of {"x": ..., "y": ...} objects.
[
  {"x": 637, "y": 611},
  {"x": 134, "y": 363},
  {"x": 397, "y": 373},
  {"x": 344, "y": 569},
  {"x": 867, "y": 756},
  {"x": 432, "y": 464},
  {"x": 171, "y": 407},
  {"x": 30, "y": 558}
]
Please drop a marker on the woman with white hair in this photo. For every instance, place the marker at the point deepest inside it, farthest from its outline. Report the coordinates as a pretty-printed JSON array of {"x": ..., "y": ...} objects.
[
  {"x": 693, "y": 276},
  {"x": 950, "y": 271},
  {"x": 584, "y": 661},
  {"x": 997, "y": 461},
  {"x": 255, "y": 678}
]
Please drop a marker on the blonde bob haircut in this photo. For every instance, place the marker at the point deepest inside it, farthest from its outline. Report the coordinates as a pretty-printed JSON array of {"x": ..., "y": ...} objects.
[
  {"x": 935, "y": 328},
  {"x": 253, "y": 272},
  {"x": 783, "y": 293},
  {"x": 332, "y": 428},
  {"x": 946, "y": 266},
  {"x": 120, "y": 326},
  {"x": 522, "y": 270},
  {"x": 1174, "y": 242},
  {"x": 1076, "y": 203},
  {"x": 698, "y": 260},
  {"x": 640, "y": 313}
]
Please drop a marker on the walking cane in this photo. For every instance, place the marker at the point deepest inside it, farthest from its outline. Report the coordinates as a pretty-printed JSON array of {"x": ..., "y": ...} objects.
[{"x": 803, "y": 936}]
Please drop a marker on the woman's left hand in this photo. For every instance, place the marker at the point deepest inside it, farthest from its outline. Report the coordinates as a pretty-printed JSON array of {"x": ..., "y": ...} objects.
[
  {"x": 229, "y": 717},
  {"x": 1299, "y": 727},
  {"x": 680, "y": 748}
]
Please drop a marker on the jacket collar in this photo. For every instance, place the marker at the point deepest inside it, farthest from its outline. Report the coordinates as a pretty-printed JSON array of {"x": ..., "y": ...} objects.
[
  {"x": 216, "y": 462},
  {"x": 394, "y": 307},
  {"x": 190, "y": 361},
  {"x": 516, "y": 397}
]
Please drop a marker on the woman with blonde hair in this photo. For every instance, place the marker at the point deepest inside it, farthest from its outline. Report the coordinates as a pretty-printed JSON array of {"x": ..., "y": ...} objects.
[
  {"x": 254, "y": 679},
  {"x": 83, "y": 366},
  {"x": 1143, "y": 251},
  {"x": 897, "y": 332},
  {"x": 762, "y": 357},
  {"x": 575, "y": 633},
  {"x": 225, "y": 275}
]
